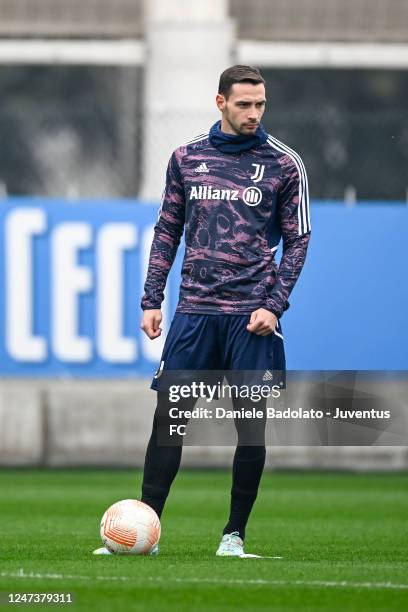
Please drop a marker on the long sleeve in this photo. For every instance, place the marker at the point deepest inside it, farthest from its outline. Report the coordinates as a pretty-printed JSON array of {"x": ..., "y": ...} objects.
[
  {"x": 167, "y": 234},
  {"x": 295, "y": 225}
]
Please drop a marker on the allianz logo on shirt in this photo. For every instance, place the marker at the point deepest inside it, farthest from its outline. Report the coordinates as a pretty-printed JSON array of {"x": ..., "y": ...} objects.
[{"x": 252, "y": 196}]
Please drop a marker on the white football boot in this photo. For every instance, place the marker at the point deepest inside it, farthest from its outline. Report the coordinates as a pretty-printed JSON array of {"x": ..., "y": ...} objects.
[
  {"x": 105, "y": 551},
  {"x": 102, "y": 551},
  {"x": 231, "y": 545}
]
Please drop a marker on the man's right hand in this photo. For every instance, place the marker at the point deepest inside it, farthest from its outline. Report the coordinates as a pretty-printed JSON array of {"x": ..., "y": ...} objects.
[{"x": 151, "y": 323}]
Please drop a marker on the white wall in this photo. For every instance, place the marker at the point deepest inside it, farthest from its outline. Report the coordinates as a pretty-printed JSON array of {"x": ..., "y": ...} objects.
[
  {"x": 108, "y": 423},
  {"x": 188, "y": 45}
]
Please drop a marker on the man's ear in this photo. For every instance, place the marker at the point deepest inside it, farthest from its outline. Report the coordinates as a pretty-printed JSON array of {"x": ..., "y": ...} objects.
[{"x": 220, "y": 102}]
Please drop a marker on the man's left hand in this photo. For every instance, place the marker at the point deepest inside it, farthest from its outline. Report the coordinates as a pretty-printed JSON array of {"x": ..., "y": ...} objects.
[{"x": 262, "y": 322}]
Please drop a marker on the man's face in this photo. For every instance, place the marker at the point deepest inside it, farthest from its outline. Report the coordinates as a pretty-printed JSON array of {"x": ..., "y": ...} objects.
[{"x": 243, "y": 109}]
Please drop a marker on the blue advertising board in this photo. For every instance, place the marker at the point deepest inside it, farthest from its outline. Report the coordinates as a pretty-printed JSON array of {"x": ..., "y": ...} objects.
[
  {"x": 72, "y": 273},
  {"x": 71, "y": 279}
]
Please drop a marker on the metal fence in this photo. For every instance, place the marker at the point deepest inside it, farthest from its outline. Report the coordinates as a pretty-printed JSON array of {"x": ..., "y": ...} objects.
[
  {"x": 70, "y": 131},
  {"x": 79, "y": 131},
  {"x": 350, "y": 126}
]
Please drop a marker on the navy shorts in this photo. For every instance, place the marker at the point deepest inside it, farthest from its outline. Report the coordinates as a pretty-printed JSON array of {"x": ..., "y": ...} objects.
[{"x": 219, "y": 343}]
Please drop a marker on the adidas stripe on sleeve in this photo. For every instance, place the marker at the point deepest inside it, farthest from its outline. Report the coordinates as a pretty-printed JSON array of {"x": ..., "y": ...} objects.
[
  {"x": 294, "y": 215},
  {"x": 299, "y": 185}
]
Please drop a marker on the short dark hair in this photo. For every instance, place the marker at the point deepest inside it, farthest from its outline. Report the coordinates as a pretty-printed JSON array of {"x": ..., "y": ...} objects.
[{"x": 238, "y": 74}]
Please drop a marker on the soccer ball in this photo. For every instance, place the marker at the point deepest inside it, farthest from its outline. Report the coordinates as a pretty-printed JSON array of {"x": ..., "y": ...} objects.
[{"x": 130, "y": 527}]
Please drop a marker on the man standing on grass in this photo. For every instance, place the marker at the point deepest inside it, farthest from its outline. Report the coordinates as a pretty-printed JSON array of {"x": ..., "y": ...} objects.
[{"x": 236, "y": 192}]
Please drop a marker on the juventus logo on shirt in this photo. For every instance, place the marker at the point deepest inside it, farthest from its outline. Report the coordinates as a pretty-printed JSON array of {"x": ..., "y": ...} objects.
[{"x": 259, "y": 172}]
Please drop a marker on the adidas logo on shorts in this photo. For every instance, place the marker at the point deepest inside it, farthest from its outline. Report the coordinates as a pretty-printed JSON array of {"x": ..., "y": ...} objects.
[{"x": 267, "y": 376}]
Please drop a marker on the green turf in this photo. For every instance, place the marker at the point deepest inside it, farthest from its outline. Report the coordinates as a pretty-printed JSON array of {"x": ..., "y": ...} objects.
[{"x": 328, "y": 527}]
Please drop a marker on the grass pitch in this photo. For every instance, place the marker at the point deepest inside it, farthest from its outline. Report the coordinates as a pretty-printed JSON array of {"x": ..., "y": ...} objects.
[{"x": 343, "y": 540}]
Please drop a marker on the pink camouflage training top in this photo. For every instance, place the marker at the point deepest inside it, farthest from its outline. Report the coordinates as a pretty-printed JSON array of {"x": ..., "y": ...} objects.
[{"x": 234, "y": 208}]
